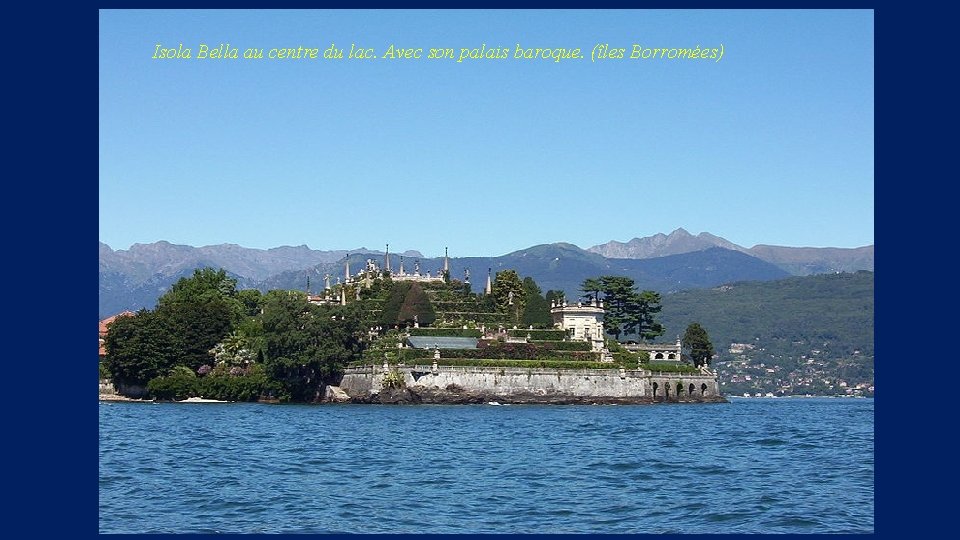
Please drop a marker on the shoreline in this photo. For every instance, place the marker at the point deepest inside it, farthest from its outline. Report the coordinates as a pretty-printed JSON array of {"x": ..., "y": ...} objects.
[
  {"x": 478, "y": 400},
  {"x": 117, "y": 398}
]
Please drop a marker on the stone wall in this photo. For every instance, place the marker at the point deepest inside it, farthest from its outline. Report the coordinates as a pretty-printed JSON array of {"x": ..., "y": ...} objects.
[
  {"x": 129, "y": 390},
  {"x": 106, "y": 388},
  {"x": 477, "y": 384}
]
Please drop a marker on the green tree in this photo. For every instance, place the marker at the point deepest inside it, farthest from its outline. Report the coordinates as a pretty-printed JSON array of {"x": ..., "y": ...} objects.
[
  {"x": 416, "y": 307},
  {"x": 554, "y": 295},
  {"x": 140, "y": 348},
  {"x": 391, "y": 306},
  {"x": 206, "y": 285},
  {"x": 201, "y": 310},
  {"x": 536, "y": 309},
  {"x": 591, "y": 288},
  {"x": 179, "y": 384},
  {"x": 307, "y": 345},
  {"x": 250, "y": 300},
  {"x": 405, "y": 301},
  {"x": 627, "y": 311},
  {"x": 621, "y": 302},
  {"x": 508, "y": 295},
  {"x": 696, "y": 340},
  {"x": 646, "y": 325}
]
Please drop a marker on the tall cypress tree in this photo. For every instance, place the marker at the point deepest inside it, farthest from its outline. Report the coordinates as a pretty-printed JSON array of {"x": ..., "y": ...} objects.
[
  {"x": 536, "y": 310},
  {"x": 416, "y": 307},
  {"x": 698, "y": 342}
]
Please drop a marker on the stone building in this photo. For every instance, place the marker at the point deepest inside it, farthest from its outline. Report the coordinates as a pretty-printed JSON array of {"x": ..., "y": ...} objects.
[
  {"x": 659, "y": 352},
  {"x": 365, "y": 277},
  {"x": 583, "y": 322}
]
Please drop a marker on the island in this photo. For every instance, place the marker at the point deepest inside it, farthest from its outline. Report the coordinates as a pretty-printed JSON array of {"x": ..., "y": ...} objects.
[{"x": 391, "y": 332}]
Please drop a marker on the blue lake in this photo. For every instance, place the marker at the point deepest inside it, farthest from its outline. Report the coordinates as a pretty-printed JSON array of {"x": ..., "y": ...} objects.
[{"x": 753, "y": 465}]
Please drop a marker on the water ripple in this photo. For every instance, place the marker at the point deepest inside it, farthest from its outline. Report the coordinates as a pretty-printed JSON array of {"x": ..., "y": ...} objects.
[{"x": 781, "y": 466}]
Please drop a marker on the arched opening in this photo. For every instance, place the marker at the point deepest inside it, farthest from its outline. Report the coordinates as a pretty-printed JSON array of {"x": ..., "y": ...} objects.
[
  {"x": 658, "y": 356},
  {"x": 679, "y": 389},
  {"x": 671, "y": 356},
  {"x": 666, "y": 392},
  {"x": 703, "y": 389},
  {"x": 655, "y": 386},
  {"x": 692, "y": 389}
]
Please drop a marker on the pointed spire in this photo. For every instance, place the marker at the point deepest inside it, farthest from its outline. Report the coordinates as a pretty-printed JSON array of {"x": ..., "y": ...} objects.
[
  {"x": 401, "y": 265},
  {"x": 346, "y": 270},
  {"x": 489, "y": 288},
  {"x": 446, "y": 261},
  {"x": 326, "y": 281},
  {"x": 387, "y": 263}
]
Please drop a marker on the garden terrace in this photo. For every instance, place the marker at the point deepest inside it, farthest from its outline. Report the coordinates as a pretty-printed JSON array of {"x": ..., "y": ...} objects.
[
  {"x": 446, "y": 332},
  {"x": 538, "y": 335}
]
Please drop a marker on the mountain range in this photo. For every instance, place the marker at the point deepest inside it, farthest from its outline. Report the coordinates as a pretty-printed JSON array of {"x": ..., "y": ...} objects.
[
  {"x": 135, "y": 278},
  {"x": 798, "y": 261}
]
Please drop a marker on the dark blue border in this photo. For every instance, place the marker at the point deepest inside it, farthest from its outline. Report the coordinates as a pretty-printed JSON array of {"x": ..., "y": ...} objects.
[{"x": 51, "y": 425}]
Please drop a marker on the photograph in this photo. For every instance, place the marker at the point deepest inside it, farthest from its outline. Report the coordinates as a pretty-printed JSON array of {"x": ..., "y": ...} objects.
[{"x": 486, "y": 271}]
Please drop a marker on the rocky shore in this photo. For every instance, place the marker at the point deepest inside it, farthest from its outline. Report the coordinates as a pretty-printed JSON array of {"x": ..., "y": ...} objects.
[{"x": 118, "y": 397}]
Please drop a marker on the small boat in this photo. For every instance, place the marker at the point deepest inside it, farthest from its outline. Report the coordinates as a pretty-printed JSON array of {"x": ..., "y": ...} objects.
[{"x": 493, "y": 403}]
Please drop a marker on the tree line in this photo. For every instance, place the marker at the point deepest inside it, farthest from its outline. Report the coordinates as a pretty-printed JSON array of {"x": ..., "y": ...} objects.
[
  {"x": 632, "y": 312},
  {"x": 203, "y": 325},
  {"x": 205, "y": 337}
]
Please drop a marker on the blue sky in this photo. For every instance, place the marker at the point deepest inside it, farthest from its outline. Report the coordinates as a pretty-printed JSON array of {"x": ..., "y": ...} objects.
[{"x": 773, "y": 144}]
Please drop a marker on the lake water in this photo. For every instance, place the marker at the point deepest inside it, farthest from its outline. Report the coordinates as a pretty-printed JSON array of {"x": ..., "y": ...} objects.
[{"x": 753, "y": 465}]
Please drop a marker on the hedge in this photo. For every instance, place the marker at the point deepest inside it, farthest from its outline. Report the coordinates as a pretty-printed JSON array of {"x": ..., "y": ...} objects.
[
  {"x": 496, "y": 362},
  {"x": 402, "y": 355},
  {"x": 671, "y": 368},
  {"x": 223, "y": 387},
  {"x": 563, "y": 345},
  {"x": 173, "y": 387},
  {"x": 519, "y": 351},
  {"x": 539, "y": 335},
  {"x": 446, "y": 332},
  {"x": 489, "y": 319}
]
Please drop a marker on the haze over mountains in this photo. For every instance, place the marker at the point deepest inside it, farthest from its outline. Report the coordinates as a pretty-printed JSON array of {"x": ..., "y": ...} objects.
[{"x": 135, "y": 278}]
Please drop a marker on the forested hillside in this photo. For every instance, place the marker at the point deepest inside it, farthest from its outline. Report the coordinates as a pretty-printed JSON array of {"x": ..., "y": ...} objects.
[{"x": 813, "y": 332}]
